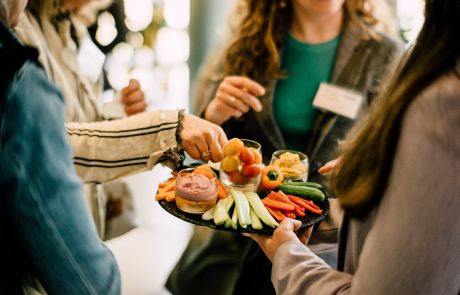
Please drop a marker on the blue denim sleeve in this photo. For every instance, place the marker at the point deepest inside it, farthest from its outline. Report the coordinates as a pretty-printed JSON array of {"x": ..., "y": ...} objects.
[{"x": 44, "y": 195}]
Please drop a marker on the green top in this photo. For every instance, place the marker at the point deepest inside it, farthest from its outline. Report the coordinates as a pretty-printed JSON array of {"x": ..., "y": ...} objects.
[{"x": 307, "y": 65}]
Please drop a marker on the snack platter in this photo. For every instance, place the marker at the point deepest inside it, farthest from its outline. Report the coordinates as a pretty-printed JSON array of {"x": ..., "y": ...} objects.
[
  {"x": 172, "y": 209},
  {"x": 244, "y": 195}
]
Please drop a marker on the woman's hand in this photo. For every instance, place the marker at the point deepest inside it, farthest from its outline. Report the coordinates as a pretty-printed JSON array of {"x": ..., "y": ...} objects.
[
  {"x": 133, "y": 98},
  {"x": 235, "y": 96},
  {"x": 283, "y": 234},
  {"x": 330, "y": 167},
  {"x": 202, "y": 139}
]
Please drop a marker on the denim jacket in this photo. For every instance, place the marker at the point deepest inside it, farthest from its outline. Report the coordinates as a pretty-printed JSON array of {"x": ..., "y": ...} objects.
[{"x": 46, "y": 229}]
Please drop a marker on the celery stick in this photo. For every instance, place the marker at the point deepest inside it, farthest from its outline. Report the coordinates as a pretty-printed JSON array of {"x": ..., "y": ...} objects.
[
  {"x": 260, "y": 210},
  {"x": 228, "y": 223},
  {"x": 208, "y": 215},
  {"x": 242, "y": 205},
  {"x": 234, "y": 220},
  {"x": 229, "y": 203},
  {"x": 220, "y": 215},
  {"x": 255, "y": 221}
]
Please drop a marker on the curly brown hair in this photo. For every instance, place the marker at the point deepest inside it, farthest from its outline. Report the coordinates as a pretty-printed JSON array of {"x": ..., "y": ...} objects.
[{"x": 260, "y": 32}]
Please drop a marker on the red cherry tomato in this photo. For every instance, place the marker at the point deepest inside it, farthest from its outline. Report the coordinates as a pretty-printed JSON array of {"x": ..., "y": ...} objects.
[
  {"x": 251, "y": 170},
  {"x": 246, "y": 156},
  {"x": 237, "y": 178}
]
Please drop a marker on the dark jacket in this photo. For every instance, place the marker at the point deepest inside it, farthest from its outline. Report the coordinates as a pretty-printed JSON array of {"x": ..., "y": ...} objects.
[
  {"x": 47, "y": 234},
  {"x": 231, "y": 263}
]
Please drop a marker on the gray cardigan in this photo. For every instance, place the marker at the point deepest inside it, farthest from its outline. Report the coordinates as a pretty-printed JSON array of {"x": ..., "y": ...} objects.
[{"x": 410, "y": 243}]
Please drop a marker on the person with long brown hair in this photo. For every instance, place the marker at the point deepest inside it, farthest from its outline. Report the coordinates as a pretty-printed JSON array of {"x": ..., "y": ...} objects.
[
  {"x": 398, "y": 183},
  {"x": 261, "y": 87}
]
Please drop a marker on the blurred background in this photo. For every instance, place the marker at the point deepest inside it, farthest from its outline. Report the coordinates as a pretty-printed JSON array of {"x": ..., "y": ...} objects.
[{"x": 163, "y": 43}]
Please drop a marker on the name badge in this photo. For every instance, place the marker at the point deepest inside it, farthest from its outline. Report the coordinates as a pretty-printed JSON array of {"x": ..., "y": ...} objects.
[{"x": 339, "y": 100}]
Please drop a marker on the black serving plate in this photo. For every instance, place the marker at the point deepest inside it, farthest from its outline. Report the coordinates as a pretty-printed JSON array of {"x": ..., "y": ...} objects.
[{"x": 308, "y": 220}]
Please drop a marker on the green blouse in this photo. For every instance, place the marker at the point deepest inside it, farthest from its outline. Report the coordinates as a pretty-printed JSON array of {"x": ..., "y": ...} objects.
[{"x": 307, "y": 65}]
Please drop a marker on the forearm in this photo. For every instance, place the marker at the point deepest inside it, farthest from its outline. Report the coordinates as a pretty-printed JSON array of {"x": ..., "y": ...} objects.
[
  {"x": 108, "y": 150},
  {"x": 297, "y": 270}
]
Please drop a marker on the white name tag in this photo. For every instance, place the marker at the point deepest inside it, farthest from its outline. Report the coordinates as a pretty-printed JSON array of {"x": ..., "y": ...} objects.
[{"x": 338, "y": 100}]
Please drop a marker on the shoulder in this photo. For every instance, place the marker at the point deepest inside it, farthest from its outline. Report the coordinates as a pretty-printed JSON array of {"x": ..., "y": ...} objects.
[
  {"x": 385, "y": 45},
  {"x": 443, "y": 96},
  {"x": 32, "y": 101},
  {"x": 435, "y": 112}
]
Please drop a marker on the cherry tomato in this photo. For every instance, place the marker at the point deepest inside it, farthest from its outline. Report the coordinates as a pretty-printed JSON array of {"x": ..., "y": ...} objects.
[
  {"x": 246, "y": 156},
  {"x": 251, "y": 170},
  {"x": 237, "y": 178}
]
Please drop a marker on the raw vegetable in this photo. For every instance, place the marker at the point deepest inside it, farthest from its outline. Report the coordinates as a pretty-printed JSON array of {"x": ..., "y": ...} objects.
[
  {"x": 208, "y": 215},
  {"x": 221, "y": 190},
  {"x": 220, "y": 214},
  {"x": 305, "y": 204},
  {"x": 255, "y": 221},
  {"x": 307, "y": 191},
  {"x": 295, "y": 183},
  {"x": 242, "y": 206},
  {"x": 228, "y": 223},
  {"x": 246, "y": 155},
  {"x": 250, "y": 170},
  {"x": 229, "y": 204},
  {"x": 271, "y": 177},
  {"x": 279, "y": 216},
  {"x": 260, "y": 209},
  {"x": 278, "y": 205},
  {"x": 234, "y": 220}
]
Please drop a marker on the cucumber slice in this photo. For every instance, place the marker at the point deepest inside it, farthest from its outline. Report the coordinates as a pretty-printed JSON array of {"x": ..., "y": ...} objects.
[
  {"x": 260, "y": 210},
  {"x": 208, "y": 215},
  {"x": 242, "y": 206},
  {"x": 220, "y": 214},
  {"x": 255, "y": 221}
]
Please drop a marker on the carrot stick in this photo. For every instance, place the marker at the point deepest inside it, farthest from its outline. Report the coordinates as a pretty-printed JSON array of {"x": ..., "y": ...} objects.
[
  {"x": 221, "y": 190},
  {"x": 299, "y": 212},
  {"x": 165, "y": 183},
  {"x": 277, "y": 214},
  {"x": 160, "y": 197},
  {"x": 169, "y": 187},
  {"x": 289, "y": 214},
  {"x": 171, "y": 196},
  {"x": 301, "y": 202},
  {"x": 278, "y": 205}
]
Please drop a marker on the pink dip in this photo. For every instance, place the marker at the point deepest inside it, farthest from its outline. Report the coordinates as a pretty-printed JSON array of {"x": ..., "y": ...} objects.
[{"x": 196, "y": 187}]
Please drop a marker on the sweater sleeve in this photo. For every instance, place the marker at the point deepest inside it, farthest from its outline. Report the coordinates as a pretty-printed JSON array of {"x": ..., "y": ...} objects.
[
  {"x": 107, "y": 150},
  {"x": 412, "y": 245}
]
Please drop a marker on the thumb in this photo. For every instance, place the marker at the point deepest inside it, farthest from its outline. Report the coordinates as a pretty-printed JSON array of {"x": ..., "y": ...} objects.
[{"x": 290, "y": 224}]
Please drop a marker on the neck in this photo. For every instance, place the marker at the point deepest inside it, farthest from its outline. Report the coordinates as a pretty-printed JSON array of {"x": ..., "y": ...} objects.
[{"x": 310, "y": 28}]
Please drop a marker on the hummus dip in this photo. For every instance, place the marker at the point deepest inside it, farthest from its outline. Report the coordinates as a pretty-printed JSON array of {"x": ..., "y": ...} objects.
[{"x": 196, "y": 187}]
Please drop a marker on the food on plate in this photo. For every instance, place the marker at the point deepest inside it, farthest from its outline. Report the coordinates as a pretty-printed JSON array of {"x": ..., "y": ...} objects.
[
  {"x": 305, "y": 189},
  {"x": 166, "y": 190},
  {"x": 195, "y": 192},
  {"x": 246, "y": 155},
  {"x": 251, "y": 170},
  {"x": 242, "y": 163},
  {"x": 291, "y": 165},
  {"x": 281, "y": 205},
  {"x": 230, "y": 164},
  {"x": 257, "y": 156},
  {"x": 233, "y": 146},
  {"x": 271, "y": 177}
]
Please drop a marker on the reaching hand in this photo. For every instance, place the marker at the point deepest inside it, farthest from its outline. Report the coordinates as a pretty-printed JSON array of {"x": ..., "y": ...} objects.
[
  {"x": 133, "y": 98},
  {"x": 283, "y": 234},
  {"x": 235, "y": 96},
  {"x": 330, "y": 167},
  {"x": 202, "y": 139}
]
